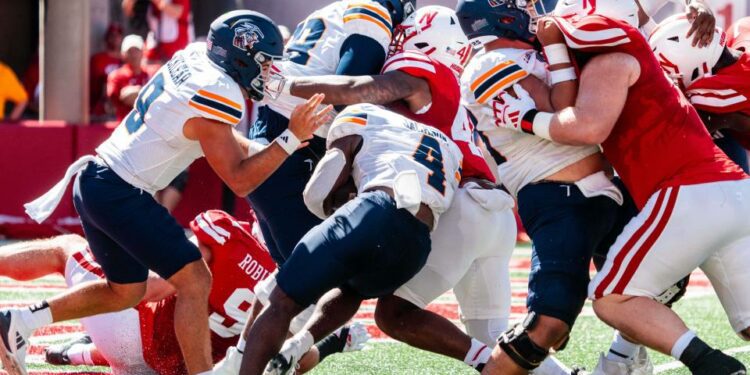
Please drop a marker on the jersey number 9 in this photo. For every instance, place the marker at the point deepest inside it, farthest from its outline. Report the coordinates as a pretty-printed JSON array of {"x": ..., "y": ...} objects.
[
  {"x": 148, "y": 95},
  {"x": 428, "y": 154}
]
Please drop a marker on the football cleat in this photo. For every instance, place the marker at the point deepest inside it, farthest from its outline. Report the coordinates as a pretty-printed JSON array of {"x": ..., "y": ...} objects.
[
  {"x": 718, "y": 363},
  {"x": 609, "y": 367},
  {"x": 231, "y": 363},
  {"x": 356, "y": 338},
  {"x": 642, "y": 363},
  {"x": 58, "y": 354},
  {"x": 282, "y": 365},
  {"x": 14, "y": 342}
]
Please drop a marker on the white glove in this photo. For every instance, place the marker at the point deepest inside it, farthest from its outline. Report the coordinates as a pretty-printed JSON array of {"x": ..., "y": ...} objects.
[{"x": 509, "y": 111}]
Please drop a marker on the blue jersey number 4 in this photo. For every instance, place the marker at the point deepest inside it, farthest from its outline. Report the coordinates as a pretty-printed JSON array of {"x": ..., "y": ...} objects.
[
  {"x": 146, "y": 96},
  {"x": 306, "y": 36},
  {"x": 428, "y": 154}
]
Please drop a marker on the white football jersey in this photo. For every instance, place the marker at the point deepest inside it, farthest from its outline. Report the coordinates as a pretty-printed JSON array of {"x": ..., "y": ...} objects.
[
  {"x": 528, "y": 158},
  {"x": 392, "y": 144},
  {"x": 315, "y": 47},
  {"x": 148, "y": 148}
]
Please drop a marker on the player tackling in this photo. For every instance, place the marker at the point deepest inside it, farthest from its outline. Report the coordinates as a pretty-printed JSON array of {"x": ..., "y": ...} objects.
[{"x": 187, "y": 110}]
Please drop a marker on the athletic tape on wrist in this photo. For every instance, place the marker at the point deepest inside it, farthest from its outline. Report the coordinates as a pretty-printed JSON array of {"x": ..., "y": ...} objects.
[
  {"x": 557, "y": 54},
  {"x": 537, "y": 123},
  {"x": 288, "y": 141},
  {"x": 562, "y": 75}
]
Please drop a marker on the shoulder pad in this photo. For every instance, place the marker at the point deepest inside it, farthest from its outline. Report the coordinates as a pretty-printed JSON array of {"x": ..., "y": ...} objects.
[
  {"x": 487, "y": 75},
  {"x": 370, "y": 19},
  {"x": 352, "y": 120},
  {"x": 218, "y": 97},
  {"x": 410, "y": 62}
]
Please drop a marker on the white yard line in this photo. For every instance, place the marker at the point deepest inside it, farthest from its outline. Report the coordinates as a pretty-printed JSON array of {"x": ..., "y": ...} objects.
[{"x": 677, "y": 364}]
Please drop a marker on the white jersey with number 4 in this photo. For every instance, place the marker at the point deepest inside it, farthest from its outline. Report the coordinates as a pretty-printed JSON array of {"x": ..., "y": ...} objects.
[
  {"x": 148, "y": 148},
  {"x": 315, "y": 47},
  {"x": 528, "y": 158},
  {"x": 393, "y": 144}
]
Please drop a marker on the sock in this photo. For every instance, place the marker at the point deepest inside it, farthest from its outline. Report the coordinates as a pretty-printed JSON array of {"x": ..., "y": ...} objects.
[
  {"x": 80, "y": 354},
  {"x": 306, "y": 341},
  {"x": 681, "y": 344},
  {"x": 241, "y": 344},
  {"x": 551, "y": 366},
  {"x": 694, "y": 352},
  {"x": 478, "y": 354},
  {"x": 622, "y": 350},
  {"x": 36, "y": 316},
  {"x": 333, "y": 344}
]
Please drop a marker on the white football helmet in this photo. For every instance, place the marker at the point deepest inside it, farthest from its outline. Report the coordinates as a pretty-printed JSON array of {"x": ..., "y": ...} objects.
[
  {"x": 676, "y": 54},
  {"x": 623, "y": 10},
  {"x": 434, "y": 30}
]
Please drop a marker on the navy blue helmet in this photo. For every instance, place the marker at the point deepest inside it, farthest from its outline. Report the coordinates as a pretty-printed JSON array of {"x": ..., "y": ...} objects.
[
  {"x": 399, "y": 9},
  {"x": 512, "y": 19},
  {"x": 240, "y": 42}
]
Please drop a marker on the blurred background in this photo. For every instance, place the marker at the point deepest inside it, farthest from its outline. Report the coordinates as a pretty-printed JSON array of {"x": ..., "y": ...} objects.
[{"x": 70, "y": 69}]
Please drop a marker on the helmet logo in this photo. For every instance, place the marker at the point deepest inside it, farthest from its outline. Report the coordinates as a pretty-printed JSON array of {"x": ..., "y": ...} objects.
[
  {"x": 496, "y": 3},
  {"x": 246, "y": 35}
]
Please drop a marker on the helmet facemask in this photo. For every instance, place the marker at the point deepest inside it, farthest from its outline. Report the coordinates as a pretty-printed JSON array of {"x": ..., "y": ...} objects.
[
  {"x": 264, "y": 63},
  {"x": 536, "y": 9}
]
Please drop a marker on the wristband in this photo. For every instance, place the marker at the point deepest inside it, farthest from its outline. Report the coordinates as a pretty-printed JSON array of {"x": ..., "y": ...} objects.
[
  {"x": 537, "y": 123},
  {"x": 287, "y": 87},
  {"x": 562, "y": 75},
  {"x": 288, "y": 141},
  {"x": 556, "y": 54}
]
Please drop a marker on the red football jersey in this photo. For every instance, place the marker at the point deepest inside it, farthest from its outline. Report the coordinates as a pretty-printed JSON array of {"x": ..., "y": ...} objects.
[
  {"x": 445, "y": 112},
  {"x": 238, "y": 262},
  {"x": 738, "y": 35},
  {"x": 658, "y": 141}
]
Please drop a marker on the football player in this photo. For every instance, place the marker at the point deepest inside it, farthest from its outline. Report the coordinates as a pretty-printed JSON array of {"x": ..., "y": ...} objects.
[
  {"x": 472, "y": 250},
  {"x": 690, "y": 196},
  {"x": 187, "y": 110},
  {"x": 738, "y": 36},
  {"x": 568, "y": 201},
  {"x": 141, "y": 340},
  {"x": 347, "y": 37},
  {"x": 406, "y": 175},
  {"x": 714, "y": 78}
]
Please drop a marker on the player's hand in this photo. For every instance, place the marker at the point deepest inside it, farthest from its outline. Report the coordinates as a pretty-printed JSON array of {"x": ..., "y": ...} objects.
[
  {"x": 509, "y": 109},
  {"x": 306, "y": 118},
  {"x": 548, "y": 32},
  {"x": 703, "y": 23}
]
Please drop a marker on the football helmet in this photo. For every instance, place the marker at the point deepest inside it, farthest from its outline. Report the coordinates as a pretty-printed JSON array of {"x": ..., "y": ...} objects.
[
  {"x": 623, "y": 10},
  {"x": 487, "y": 20},
  {"x": 678, "y": 57},
  {"x": 400, "y": 10},
  {"x": 244, "y": 44},
  {"x": 435, "y": 31}
]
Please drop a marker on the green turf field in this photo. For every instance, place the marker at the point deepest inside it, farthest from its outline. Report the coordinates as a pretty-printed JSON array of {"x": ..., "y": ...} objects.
[{"x": 702, "y": 312}]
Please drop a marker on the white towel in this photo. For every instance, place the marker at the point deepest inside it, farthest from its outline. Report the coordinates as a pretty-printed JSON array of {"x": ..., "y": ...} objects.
[{"x": 41, "y": 208}]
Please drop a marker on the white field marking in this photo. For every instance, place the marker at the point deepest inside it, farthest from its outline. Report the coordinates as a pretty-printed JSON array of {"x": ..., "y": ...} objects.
[{"x": 677, "y": 364}]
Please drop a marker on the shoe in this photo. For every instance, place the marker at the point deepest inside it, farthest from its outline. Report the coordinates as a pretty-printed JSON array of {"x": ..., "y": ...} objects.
[
  {"x": 58, "y": 354},
  {"x": 642, "y": 363},
  {"x": 718, "y": 363},
  {"x": 357, "y": 337},
  {"x": 282, "y": 365},
  {"x": 609, "y": 367},
  {"x": 14, "y": 343},
  {"x": 231, "y": 363}
]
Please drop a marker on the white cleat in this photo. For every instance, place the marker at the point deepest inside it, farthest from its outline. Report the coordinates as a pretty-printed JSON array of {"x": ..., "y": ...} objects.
[
  {"x": 609, "y": 367},
  {"x": 356, "y": 338},
  {"x": 231, "y": 363},
  {"x": 14, "y": 342},
  {"x": 642, "y": 363}
]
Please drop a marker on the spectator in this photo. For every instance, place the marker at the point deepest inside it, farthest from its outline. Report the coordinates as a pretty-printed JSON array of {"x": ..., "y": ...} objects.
[
  {"x": 102, "y": 64},
  {"x": 125, "y": 82},
  {"x": 170, "y": 28},
  {"x": 11, "y": 90}
]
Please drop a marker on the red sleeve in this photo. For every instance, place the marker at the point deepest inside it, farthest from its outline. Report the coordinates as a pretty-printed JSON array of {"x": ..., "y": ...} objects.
[
  {"x": 596, "y": 33},
  {"x": 413, "y": 63}
]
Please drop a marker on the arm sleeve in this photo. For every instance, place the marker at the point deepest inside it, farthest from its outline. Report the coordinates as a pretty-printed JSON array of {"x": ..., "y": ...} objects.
[
  {"x": 223, "y": 103},
  {"x": 210, "y": 227},
  {"x": 722, "y": 101},
  {"x": 487, "y": 78},
  {"x": 596, "y": 33},
  {"x": 415, "y": 64},
  {"x": 350, "y": 121},
  {"x": 360, "y": 55}
]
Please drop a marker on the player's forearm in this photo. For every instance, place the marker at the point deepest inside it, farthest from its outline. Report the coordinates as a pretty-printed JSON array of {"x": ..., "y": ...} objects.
[
  {"x": 734, "y": 121},
  {"x": 345, "y": 90},
  {"x": 252, "y": 171},
  {"x": 563, "y": 94}
]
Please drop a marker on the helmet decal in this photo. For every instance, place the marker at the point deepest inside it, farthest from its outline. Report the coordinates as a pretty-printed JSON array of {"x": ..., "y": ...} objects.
[{"x": 246, "y": 35}]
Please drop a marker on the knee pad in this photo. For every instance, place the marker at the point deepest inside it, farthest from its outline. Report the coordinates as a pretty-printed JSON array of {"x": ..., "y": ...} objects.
[{"x": 517, "y": 344}]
